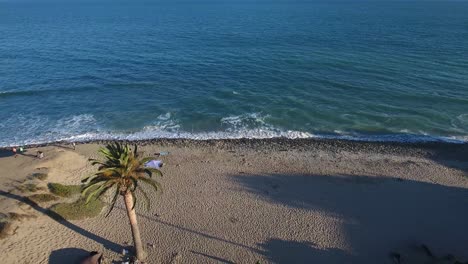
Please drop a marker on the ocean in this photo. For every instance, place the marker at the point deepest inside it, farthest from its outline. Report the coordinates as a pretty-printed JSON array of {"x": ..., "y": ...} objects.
[{"x": 361, "y": 70}]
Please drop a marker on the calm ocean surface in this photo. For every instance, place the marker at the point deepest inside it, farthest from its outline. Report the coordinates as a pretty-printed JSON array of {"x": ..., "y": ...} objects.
[{"x": 363, "y": 70}]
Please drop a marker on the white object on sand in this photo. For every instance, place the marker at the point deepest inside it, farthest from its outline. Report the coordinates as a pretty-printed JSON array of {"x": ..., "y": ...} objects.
[{"x": 156, "y": 164}]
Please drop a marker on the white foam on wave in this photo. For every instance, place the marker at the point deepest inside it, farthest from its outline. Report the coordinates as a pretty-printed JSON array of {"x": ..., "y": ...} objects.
[
  {"x": 85, "y": 127},
  {"x": 244, "y": 121},
  {"x": 242, "y": 126},
  {"x": 36, "y": 129}
]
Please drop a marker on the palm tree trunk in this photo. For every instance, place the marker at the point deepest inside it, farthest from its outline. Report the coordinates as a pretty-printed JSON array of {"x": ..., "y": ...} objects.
[{"x": 140, "y": 253}]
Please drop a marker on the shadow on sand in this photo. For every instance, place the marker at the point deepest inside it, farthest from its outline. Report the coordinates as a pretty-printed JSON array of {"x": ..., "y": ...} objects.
[
  {"x": 378, "y": 214},
  {"x": 98, "y": 239},
  {"x": 214, "y": 258},
  {"x": 67, "y": 255},
  {"x": 284, "y": 251},
  {"x": 450, "y": 155},
  {"x": 6, "y": 153}
]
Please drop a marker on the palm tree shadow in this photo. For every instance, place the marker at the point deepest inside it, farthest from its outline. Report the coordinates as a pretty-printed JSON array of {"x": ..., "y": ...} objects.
[
  {"x": 185, "y": 229},
  {"x": 59, "y": 219},
  {"x": 214, "y": 258},
  {"x": 377, "y": 214}
]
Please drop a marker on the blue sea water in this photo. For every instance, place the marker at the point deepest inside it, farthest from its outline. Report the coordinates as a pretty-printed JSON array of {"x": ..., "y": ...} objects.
[{"x": 370, "y": 70}]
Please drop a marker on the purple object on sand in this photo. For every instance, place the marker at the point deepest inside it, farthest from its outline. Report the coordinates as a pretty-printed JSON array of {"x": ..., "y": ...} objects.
[{"x": 156, "y": 164}]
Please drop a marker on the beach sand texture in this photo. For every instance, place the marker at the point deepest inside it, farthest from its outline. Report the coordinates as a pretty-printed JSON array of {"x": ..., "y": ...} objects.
[{"x": 243, "y": 201}]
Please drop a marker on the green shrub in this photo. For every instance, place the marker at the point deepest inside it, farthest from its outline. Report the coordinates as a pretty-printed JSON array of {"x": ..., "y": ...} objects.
[
  {"x": 41, "y": 176},
  {"x": 77, "y": 210},
  {"x": 42, "y": 198},
  {"x": 64, "y": 190}
]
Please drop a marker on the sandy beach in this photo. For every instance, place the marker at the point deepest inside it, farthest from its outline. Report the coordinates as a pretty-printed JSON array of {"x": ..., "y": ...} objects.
[{"x": 248, "y": 201}]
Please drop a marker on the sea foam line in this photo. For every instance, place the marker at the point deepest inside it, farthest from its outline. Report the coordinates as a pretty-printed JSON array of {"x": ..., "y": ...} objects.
[{"x": 85, "y": 127}]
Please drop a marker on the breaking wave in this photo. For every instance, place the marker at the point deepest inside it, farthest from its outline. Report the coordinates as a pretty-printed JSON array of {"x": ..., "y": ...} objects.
[{"x": 85, "y": 127}]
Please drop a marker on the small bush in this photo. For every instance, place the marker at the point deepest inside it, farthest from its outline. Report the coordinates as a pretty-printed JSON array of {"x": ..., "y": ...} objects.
[
  {"x": 77, "y": 210},
  {"x": 28, "y": 187},
  {"x": 42, "y": 198},
  {"x": 3, "y": 217},
  {"x": 6, "y": 223},
  {"x": 20, "y": 217},
  {"x": 41, "y": 176},
  {"x": 6, "y": 229},
  {"x": 64, "y": 190}
]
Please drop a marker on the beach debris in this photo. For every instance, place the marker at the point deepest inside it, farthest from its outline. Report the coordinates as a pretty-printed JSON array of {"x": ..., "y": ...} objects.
[
  {"x": 176, "y": 256},
  {"x": 124, "y": 251},
  {"x": 162, "y": 153},
  {"x": 40, "y": 154},
  {"x": 151, "y": 245},
  {"x": 156, "y": 164}
]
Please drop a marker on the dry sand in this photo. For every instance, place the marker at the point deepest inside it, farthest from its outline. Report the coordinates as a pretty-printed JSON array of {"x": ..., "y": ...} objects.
[{"x": 272, "y": 201}]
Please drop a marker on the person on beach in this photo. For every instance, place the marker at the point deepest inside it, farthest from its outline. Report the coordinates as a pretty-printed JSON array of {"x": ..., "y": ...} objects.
[
  {"x": 74, "y": 146},
  {"x": 14, "y": 152}
]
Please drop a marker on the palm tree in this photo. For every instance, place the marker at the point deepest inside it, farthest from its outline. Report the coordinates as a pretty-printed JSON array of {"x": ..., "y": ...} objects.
[{"x": 122, "y": 172}]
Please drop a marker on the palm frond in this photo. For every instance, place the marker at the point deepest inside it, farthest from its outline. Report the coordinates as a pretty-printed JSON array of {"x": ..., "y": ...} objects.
[
  {"x": 156, "y": 186},
  {"x": 150, "y": 172},
  {"x": 135, "y": 151},
  {"x": 114, "y": 199},
  {"x": 99, "y": 191},
  {"x": 135, "y": 184},
  {"x": 146, "y": 198},
  {"x": 95, "y": 181}
]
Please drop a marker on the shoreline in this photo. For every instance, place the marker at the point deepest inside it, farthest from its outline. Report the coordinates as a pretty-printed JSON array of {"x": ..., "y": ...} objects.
[
  {"x": 279, "y": 143},
  {"x": 452, "y": 155},
  {"x": 378, "y": 138}
]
